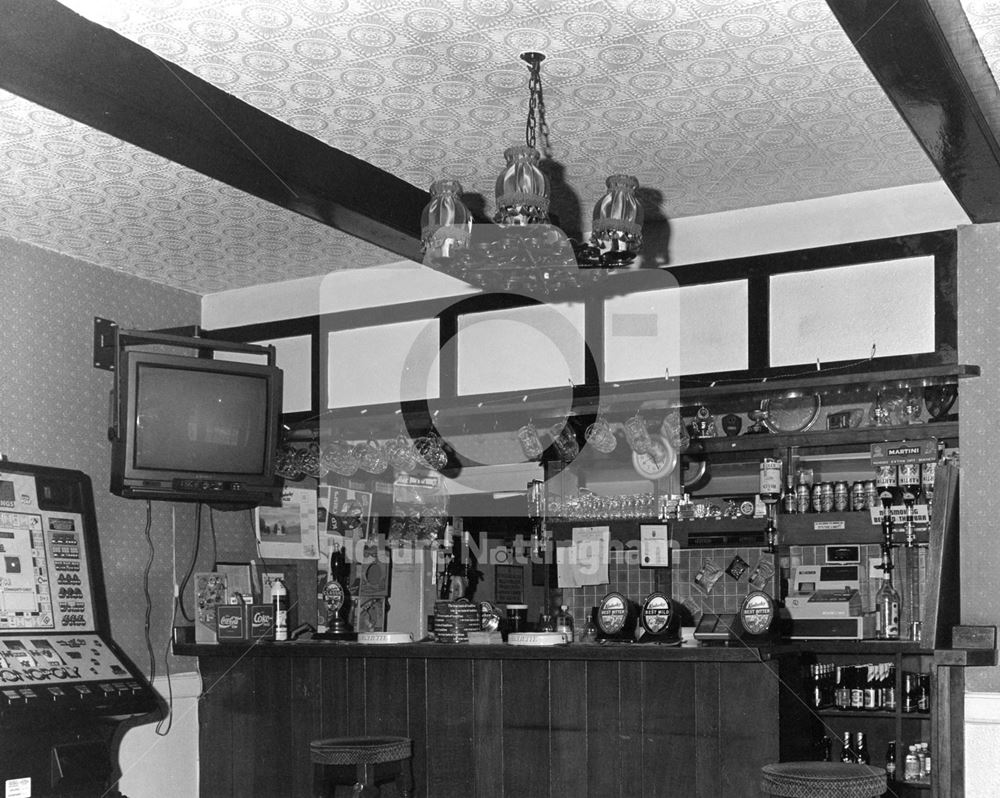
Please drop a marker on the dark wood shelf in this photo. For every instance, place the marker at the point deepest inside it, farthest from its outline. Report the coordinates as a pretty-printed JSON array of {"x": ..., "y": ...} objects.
[
  {"x": 826, "y": 438},
  {"x": 874, "y": 380},
  {"x": 856, "y": 647},
  {"x": 816, "y": 529},
  {"x": 649, "y": 395},
  {"x": 899, "y": 787},
  {"x": 833, "y": 712}
]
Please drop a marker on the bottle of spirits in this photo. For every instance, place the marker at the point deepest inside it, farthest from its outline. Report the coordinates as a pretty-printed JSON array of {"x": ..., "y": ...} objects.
[
  {"x": 827, "y": 748},
  {"x": 887, "y": 485},
  {"x": 911, "y": 766},
  {"x": 788, "y": 500},
  {"x": 890, "y": 760},
  {"x": 888, "y": 699},
  {"x": 857, "y": 688},
  {"x": 887, "y": 607},
  {"x": 908, "y": 478},
  {"x": 846, "y": 751},
  {"x": 861, "y": 755},
  {"x": 871, "y": 687},
  {"x": 564, "y": 623},
  {"x": 842, "y": 696}
]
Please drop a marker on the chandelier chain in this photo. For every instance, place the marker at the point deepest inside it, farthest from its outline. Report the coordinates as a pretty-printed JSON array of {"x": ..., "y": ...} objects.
[{"x": 536, "y": 127}]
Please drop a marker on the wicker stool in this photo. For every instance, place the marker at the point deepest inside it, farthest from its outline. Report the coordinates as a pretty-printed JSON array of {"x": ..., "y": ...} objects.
[
  {"x": 364, "y": 753},
  {"x": 822, "y": 780}
]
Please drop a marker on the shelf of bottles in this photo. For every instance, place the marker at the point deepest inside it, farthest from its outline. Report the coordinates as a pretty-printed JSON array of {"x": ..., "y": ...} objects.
[
  {"x": 868, "y": 687},
  {"x": 867, "y": 698}
]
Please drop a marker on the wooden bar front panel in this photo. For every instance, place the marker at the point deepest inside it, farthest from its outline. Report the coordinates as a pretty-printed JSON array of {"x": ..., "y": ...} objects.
[{"x": 597, "y": 728}]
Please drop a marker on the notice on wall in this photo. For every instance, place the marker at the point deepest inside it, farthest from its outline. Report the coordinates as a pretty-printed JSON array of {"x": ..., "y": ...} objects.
[
  {"x": 584, "y": 561},
  {"x": 509, "y": 584},
  {"x": 289, "y": 532}
]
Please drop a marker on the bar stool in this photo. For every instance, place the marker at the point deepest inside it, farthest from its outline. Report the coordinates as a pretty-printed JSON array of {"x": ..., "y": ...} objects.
[
  {"x": 364, "y": 753},
  {"x": 822, "y": 780}
]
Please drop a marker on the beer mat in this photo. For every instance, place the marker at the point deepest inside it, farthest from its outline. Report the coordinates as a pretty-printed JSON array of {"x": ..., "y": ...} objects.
[
  {"x": 384, "y": 638},
  {"x": 536, "y": 639}
]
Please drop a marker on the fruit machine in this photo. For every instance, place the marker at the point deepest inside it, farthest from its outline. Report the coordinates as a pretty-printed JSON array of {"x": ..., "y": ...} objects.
[{"x": 67, "y": 691}]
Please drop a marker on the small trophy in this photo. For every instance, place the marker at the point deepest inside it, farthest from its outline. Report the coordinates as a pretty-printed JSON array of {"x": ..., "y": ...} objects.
[
  {"x": 758, "y": 417},
  {"x": 704, "y": 423},
  {"x": 337, "y": 600}
]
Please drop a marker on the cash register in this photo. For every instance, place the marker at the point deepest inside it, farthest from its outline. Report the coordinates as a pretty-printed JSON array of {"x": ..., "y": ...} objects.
[{"x": 824, "y": 603}]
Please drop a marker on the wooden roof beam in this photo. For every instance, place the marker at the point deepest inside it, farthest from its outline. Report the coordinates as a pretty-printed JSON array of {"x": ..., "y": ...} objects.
[{"x": 61, "y": 61}]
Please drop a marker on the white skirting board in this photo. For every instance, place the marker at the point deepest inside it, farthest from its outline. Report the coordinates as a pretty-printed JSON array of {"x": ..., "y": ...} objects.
[
  {"x": 165, "y": 767},
  {"x": 982, "y": 744}
]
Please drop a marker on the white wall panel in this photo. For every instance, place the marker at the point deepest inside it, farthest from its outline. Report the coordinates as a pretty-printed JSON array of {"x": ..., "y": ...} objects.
[{"x": 839, "y": 313}]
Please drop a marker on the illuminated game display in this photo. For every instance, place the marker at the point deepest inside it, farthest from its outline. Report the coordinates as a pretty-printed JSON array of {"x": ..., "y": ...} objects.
[{"x": 62, "y": 678}]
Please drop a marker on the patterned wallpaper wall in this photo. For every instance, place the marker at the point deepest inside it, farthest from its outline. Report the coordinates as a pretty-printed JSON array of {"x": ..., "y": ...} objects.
[
  {"x": 54, "y": 411},
  {"x": 979, "y": 343}
]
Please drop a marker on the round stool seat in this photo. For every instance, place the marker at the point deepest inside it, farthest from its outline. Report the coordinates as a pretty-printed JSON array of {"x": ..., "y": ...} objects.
[
  {"x": 375, "y": 760},
  {"x": 360, "y": 750},
  {"x": 822, "y": 780}
]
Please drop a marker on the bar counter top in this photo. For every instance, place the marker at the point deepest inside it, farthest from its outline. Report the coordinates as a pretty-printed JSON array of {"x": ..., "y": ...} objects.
[
  {"x": 689, "y": 651},
  {"x": 607, "y": 652}
]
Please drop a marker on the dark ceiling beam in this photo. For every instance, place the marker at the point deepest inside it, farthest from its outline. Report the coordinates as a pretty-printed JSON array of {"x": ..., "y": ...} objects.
[
  {"x": 57, "y": 59},
  {"x": 928, "y": 62}
]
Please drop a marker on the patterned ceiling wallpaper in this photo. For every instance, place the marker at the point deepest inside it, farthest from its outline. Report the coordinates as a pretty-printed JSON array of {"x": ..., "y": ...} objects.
[
  {"x": 74, "y": 190},
  {"x": 712, "y": 104}
]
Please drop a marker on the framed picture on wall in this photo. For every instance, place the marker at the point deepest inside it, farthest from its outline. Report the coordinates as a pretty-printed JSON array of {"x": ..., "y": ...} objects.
[{"x": 509, "y": 588}]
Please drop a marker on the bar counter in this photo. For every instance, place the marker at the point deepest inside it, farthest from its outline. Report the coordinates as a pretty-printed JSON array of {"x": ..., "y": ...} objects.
[{"x": 595, "y": 720}]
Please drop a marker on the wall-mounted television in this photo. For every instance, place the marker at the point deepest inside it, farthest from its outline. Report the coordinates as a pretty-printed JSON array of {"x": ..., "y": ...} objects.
[{"x": 195, "y": 429}]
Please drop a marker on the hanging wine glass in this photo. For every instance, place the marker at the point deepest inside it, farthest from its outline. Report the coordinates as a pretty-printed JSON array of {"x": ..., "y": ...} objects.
[
  {"x": 530, "y": 442},
  {"x": 339, "y": 457},
  {"x": 308, "y": 461},
  {"x": 371, "y": 457},
  {"x": 431, "y": 450},
  {"x": 637, "y": 435},
  {"x": 286, "y": 464},
  {"x": 401, "y": 454},
  {"x": 601, "y": 436}
]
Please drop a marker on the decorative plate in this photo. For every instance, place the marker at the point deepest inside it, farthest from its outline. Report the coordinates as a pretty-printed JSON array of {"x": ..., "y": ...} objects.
[{"x": 791, "y": 413}]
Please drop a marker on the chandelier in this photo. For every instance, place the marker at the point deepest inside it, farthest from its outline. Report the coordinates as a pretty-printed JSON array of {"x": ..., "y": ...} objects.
[{"x": 524, "y": 251}]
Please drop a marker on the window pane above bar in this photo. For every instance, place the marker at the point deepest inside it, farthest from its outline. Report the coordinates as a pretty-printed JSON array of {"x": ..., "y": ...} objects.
[
  {"x": 383, "y": 363},
  {"x": 541, "y": 346},
  {"x": 293, "y": 355},
  {"x": 840, "y": 313},
  {"x": 688, "y": 330}
]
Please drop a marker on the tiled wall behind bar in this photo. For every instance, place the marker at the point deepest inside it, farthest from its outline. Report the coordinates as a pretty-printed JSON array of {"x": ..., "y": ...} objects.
[
  {"x": 626, "y": 577},
  {"x": 726, "y": 593}
]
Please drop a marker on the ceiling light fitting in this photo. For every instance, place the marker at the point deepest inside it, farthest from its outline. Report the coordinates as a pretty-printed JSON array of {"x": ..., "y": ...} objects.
[{"x": 524, "y": 250}]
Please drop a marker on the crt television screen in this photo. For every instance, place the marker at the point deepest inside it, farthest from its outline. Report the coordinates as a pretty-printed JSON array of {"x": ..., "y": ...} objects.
[{"x": 200, "y": 421}]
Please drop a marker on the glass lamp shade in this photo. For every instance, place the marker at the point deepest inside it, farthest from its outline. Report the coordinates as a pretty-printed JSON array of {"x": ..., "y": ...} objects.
[
  {"x": 618, "y": 215},
  {"x": 522, "y": 191},
  {"x": 445, "y": 223}
]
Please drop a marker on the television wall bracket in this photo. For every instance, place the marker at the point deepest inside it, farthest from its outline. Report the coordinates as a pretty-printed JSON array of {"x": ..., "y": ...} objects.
[{"x": 110, "y": 339}]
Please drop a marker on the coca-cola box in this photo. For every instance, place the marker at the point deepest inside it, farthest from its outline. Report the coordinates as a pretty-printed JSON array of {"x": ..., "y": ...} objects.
[
  {"x": 231, "y": 622},
  {"x": 261, "y": 621}
]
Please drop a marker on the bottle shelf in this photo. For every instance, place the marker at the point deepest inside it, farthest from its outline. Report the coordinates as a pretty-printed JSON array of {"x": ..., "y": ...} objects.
[
  {"x": 826, "y": 438},
  {"x": 832, "y": 712},
  {"x": 897, "y": 787}
]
